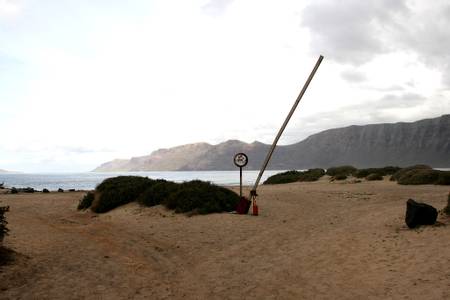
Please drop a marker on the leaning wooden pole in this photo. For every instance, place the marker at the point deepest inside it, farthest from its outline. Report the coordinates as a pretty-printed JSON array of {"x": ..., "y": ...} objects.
[{"x": 274, "y": 144}]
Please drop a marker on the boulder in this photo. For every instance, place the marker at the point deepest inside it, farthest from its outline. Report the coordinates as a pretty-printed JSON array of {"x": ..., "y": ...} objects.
[
  {"x": 60, "y": 190},
  {"x": 45, "y": 191},
  {"x": 14, "y": 190},
  {"x": 418, "y": 213},
  {"x": 27, "y": 190}
]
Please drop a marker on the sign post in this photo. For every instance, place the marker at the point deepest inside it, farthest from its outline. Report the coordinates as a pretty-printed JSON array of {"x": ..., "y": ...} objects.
[{"x": 240, "y": 160}]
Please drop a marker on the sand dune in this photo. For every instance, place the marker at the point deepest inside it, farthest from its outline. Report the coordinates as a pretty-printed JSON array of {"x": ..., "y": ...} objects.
[{"x": 312, "y": 240}]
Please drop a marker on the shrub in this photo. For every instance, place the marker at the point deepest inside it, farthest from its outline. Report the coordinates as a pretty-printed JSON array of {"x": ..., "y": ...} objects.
[
  {"x": 340, "y": 177},
  {"x": 116, "y": 191},
  {"x": 294, "y": 176},
  {"x": 285, "y": 177},
  {"x": 447, "y": 208},
  {"x": 444, "y": 178},
  {"x": 86, "y": 201},
  {"x": 389, "y": 170},
  {"x": 419, "y": 176},
  {"x": 400, "y": 173},
  {"x": 312, "y": 175},
  {"x": 374, "y": 176},
  {"x": 3, "y": 229},
  {"x": 341, "y": 170},
  {"x": 194, "y": 196},
  {"x": 157, "y": 193},
  {"x": 27, "y": 190},
  {"x": 201, "y": 197}
]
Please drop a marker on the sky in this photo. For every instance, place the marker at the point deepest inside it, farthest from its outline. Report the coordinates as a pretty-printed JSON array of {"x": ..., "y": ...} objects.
[{"x": 84, "y": 82}]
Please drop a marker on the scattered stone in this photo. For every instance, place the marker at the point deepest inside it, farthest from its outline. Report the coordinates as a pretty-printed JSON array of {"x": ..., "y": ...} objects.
[
  {"x": 60, "y": 190},
  {"x": 418, "y": 213},
  {"x": 27, "y": 190}
]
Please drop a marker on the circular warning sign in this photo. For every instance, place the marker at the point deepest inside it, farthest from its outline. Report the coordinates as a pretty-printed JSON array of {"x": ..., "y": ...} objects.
[{"x": 240, "y": 160}]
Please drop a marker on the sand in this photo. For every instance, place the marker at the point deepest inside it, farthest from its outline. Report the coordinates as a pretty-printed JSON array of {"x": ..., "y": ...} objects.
[{"x": 317, "y": 240}]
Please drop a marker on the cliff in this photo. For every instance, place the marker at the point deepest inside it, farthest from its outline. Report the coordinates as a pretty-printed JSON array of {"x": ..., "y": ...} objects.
[{"x": 401, "y": 144}]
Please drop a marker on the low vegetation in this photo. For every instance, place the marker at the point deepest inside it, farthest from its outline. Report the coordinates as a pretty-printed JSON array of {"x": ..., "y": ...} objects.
[
  {"x": 341, "y": 170},
  {"x": 418, "y": 174},
  {"x": 157, "y": 193},
  {"x": 117, "y": 191},
  {"x": 3, "y": 223},
  {"x": 86, "y": 201},
  {"x": 339, "y": 177},
  {"x": 201, "y": 197},
  {"x": 193, "y": 196},
  {"x": 402, "y": 172},
  {"x": 294, "y": 176},
  {"x": 374, "y": 176},
  {"x": 285, "y": 177},
  {"x": 421, "y": 174},
  {"x": 447, "y": 208},
  {"x": 389, "y": 170}
]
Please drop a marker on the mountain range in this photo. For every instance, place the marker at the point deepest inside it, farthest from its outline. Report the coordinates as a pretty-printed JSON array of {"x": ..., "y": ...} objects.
[{"x": 375, "y": 145}]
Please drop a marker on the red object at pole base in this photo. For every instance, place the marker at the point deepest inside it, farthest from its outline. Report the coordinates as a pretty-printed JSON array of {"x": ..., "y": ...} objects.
[
  {"x": 243, "y": 206},
  {"x": 255, "y": 208}
]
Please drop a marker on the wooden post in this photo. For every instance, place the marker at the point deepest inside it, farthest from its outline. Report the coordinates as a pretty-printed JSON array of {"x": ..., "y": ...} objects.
[{"x": 274, "y": 144}]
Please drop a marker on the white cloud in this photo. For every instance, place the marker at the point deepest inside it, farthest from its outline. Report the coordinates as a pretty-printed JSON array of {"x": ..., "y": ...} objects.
[
  {"x": 133, "y": 78},
  {"x": 9, "y": 8}
]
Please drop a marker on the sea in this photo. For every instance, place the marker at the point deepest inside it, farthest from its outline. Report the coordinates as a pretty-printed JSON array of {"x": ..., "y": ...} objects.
[{"x": 89, "y": 180}]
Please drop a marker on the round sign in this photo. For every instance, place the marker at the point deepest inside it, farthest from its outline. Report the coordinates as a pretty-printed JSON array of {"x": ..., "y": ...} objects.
[{"x": 240, "y": 160}]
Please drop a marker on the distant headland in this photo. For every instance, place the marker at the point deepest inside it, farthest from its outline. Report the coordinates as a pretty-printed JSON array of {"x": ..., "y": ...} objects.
[{"x": 400, "y": 144}]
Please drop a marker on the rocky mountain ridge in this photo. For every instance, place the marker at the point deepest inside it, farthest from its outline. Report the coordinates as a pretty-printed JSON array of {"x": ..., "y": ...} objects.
[{"x": 401, "y": 144}]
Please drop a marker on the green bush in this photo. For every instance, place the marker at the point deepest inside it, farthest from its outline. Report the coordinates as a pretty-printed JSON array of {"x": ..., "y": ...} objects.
[
  {"x": 341, "y": 170},
  {"x": 389, "y": 170},
  {"x": 312, "y": 175},
  {"x": 374, "y": 176},
  {"x": 3, "y": 229},
  {"x": 447, "y": 208},
  {"x": 294, "y": 176},
  {"x": 285, "y": 177},
  {"x": 86, "y": 201},
  {"x": 444, "y": 178},
  {"x": 157, "y": 193},
  {"x": 201, "y": 197},
  {"x": 419, "y": 176},
  {"x": 116, "y": 191},
  {"x": 400, "y": 173},
  {"x": 194, "y": 196},
  {"x": 340, "y": 177}
]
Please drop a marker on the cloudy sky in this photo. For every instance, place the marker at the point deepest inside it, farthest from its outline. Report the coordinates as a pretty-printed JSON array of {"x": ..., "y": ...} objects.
[{"x": 83, "y": 82}]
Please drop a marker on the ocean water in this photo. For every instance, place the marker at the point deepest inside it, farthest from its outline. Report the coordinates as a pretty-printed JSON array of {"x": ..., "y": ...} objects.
[{"x": 89, "y": 180}]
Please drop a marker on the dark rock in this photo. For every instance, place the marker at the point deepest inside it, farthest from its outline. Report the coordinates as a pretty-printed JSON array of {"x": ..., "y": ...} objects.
[
  {"x": 418, "y": 213},
  {"x": 60, "y": 190},
  {"x": 14, "y": 190},
  {"x": 27, "y": 190},
  {"x": 71, "y": 190},
  {"x": 45, "y": 191}
]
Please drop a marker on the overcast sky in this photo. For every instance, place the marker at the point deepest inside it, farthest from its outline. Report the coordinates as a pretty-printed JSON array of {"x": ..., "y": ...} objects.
[{"x": 83, "y": 82}]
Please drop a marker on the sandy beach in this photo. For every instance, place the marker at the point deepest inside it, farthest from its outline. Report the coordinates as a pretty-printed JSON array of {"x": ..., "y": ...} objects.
[{"x": 316, "y": 240}]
